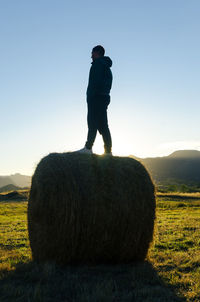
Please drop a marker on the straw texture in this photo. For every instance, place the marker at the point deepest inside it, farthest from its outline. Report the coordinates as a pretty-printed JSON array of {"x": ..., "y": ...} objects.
[{"x": 85, "y": 208}]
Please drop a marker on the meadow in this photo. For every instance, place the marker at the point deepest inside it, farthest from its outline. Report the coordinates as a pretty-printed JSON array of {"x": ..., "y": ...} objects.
[{"x": 170, "y": 273}]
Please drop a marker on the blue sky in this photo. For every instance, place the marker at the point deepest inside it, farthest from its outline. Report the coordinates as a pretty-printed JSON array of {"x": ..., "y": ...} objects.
[{"x": 44, "y": 66}]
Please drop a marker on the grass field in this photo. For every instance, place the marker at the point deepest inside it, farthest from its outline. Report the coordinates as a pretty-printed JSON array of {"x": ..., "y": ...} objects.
[{"x": 171, "y": 272}]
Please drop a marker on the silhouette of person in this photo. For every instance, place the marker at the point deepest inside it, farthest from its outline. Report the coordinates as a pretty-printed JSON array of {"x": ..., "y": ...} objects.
[{"x": 98, "y": 99}]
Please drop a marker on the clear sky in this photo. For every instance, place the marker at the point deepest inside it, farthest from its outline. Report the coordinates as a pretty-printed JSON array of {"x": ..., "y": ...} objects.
[{"x": 45, "y": 56}]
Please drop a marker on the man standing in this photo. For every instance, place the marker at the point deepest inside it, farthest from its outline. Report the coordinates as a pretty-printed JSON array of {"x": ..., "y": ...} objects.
[{"x": 98, "y": 99}]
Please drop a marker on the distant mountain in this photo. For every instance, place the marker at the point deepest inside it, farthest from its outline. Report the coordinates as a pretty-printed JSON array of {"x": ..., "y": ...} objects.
[
  {"x": 185, "y": 154},
  {"x": 17, "y": 179},
  {"x": 5, "y": 180},
  {"x": 182, "y": 166},
  {"x": 8, "y": 188}
]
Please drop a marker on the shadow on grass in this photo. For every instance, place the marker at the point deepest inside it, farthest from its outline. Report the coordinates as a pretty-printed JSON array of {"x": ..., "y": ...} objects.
[{"x": 50, "y": 283}]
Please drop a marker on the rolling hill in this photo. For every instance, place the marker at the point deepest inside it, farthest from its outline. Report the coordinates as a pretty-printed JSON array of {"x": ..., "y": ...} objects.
[
  {"x": 181, "y": 166},
  {"x": 17, "y": 180}
]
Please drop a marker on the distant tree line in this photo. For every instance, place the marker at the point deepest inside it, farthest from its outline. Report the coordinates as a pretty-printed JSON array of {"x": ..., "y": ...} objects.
[{"x": 182, "y": 188}]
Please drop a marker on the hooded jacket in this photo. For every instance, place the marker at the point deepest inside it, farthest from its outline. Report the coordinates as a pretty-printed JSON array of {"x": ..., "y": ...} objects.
[{"x": 100, "y": 77}]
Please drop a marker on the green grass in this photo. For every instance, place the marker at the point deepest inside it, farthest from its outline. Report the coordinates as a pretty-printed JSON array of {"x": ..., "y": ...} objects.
[
  {"x": 171, "y": 272},
  {"x": 176, "y": 250}
]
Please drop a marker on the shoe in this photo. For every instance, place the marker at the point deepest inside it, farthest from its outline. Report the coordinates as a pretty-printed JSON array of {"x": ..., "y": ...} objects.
[{"x": 85, "y": 150}]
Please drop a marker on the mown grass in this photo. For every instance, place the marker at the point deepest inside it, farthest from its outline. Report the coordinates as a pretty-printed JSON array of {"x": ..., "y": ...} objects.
[
  {"x": 176, "y": 250},
  {"x": 171, "y": 272}
]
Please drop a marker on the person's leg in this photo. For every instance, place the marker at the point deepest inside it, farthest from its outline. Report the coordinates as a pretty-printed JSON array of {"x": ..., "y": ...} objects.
[
  {"x": 107, "y": 140},
  {"x": 92, "y": 126},
  {"x": 103, "y": 127}
]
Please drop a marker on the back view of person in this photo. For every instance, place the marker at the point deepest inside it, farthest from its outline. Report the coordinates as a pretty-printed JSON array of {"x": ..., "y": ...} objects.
[{"x": 98, "y": 99}]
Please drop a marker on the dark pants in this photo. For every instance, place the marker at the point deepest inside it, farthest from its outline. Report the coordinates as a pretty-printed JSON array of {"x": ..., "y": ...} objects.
[{"x": 97, "y": 120}]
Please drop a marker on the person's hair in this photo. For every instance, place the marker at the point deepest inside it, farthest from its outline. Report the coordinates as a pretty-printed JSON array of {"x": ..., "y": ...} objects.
[{"x": 99, "y": 49}]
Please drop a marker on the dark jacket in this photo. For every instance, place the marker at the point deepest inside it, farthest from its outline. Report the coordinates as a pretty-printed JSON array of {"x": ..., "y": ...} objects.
[{"x": 100, "y": 77}]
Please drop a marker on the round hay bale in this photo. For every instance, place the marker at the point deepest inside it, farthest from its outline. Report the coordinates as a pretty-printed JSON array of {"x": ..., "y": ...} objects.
[{"x": 87, "y": 208}]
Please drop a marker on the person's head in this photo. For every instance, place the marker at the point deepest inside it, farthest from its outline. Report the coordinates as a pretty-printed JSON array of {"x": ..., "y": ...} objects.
[{"x": 97, "y": 52}]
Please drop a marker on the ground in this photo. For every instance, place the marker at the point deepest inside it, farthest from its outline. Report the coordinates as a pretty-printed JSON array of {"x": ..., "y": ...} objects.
[{"x": 170, "y": 273}]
